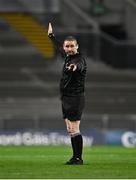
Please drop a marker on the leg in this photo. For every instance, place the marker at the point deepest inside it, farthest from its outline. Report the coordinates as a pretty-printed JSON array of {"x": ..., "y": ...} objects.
[
  {"x": 72, "y": 108},
  {"x": 73, "y": 128}
]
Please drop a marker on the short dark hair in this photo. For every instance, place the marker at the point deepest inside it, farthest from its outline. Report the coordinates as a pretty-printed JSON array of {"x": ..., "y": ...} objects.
[{"x": 70, "y": 38}]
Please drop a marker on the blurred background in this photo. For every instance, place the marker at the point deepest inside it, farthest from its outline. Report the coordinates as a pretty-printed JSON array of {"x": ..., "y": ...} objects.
[{"x": 30, "y": 69}]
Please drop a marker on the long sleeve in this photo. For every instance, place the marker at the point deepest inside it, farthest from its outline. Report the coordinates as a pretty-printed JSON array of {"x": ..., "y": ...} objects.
[
  {"x": 57, "y": 44},
  {"x": 80, "y": 62},
  {"x": 81, "y": 65}
]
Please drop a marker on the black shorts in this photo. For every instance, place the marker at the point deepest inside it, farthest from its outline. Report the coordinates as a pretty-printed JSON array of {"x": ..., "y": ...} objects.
[{"x": 72, "y": 107}]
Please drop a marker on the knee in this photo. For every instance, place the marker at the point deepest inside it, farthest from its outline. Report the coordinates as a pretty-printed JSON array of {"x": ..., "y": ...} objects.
[
  {"x": 72, "y": 130},
  {"x": 72, "y": 127}
]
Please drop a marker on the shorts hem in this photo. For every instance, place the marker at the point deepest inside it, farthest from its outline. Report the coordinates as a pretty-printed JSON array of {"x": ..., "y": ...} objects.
[{"x": 72, "y": 119}]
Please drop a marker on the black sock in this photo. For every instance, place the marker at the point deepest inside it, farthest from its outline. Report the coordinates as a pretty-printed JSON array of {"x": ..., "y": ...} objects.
[
  {"x": 73, "y": 146},
  {"x": 77, "y": 145}
]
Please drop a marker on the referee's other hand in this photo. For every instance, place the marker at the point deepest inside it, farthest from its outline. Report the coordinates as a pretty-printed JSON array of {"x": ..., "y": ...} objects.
[
  {"x": 50, "y": 30},
  {"x": 72, "y": 67}
]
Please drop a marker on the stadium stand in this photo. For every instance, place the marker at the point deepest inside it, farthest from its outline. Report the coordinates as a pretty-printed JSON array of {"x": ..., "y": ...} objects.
[
  {"x": 110, "y": 93},
  {"x": 32, "y": 31}
]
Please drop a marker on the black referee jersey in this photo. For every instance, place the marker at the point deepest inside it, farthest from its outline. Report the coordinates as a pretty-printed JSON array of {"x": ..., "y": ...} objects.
[{"x": 71, "y": 83}]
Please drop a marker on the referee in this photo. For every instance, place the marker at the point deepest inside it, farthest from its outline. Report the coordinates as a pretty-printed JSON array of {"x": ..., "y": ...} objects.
[{"x": 72, "y": 86}]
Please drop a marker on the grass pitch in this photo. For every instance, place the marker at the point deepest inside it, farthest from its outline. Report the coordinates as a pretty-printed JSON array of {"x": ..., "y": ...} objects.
[{"x": 48, "y": 162}]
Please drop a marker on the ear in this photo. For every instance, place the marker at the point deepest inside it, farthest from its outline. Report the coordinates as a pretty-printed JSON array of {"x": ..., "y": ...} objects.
[{"x": 77, "y": 46}]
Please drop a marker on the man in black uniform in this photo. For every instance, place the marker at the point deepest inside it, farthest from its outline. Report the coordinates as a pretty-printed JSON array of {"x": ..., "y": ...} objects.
[{"x": 72, "y": 86}]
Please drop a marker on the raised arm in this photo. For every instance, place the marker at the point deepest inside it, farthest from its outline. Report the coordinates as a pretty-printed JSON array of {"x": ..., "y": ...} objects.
[{"x": 57, "y": 44}]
